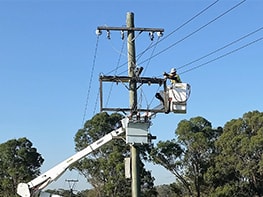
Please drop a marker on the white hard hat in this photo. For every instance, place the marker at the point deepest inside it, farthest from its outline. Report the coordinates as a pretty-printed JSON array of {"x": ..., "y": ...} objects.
[{"x": 173, "y": 70}]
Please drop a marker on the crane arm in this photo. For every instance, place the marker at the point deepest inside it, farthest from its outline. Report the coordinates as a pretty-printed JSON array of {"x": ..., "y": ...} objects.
[{"x": 36, "y": 185}]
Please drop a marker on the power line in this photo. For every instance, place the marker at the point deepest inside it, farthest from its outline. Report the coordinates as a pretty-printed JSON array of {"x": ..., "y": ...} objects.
[
  {"x": 197, "y": 30},
  {"x": 165, "y": 37},
  {"x": 90, "y": 82},
  {"x": 144, "y": 51},
  {"x": 151, "y": 55},
  {"x": 118, "y": 62},
  {"x": 224, "y": 55},
  {"x": 188, "y": 21},
  {"x": 221, "y": 48},
  {"x": 96, "y": 102},
  {"x": 119, "y": 66},
  {"x": 144, "y": 70}
]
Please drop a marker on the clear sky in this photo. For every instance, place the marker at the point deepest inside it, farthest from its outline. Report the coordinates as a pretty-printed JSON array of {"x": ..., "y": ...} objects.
[{"x": 48, "y": 65}]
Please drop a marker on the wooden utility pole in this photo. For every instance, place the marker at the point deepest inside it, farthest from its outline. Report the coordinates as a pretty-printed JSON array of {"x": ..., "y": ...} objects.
[
  {"x": 71, "y": 186},
  {"x": 132, "y": 80},
  {"x": 133, "y": 103}
]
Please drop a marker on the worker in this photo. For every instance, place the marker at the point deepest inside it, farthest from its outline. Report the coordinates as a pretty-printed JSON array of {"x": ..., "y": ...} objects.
[{"x": 173, "y": 76}]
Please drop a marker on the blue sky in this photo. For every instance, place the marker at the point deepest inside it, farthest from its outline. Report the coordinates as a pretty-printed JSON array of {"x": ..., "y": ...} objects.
[{"x": 47, "y": 53}]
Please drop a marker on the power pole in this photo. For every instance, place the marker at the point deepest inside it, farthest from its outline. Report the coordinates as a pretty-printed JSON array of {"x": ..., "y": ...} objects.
[
  {"x": 131, "y": 79},
  {"x": 133, "y": 104},
  {"x": 71, "y": 186}
]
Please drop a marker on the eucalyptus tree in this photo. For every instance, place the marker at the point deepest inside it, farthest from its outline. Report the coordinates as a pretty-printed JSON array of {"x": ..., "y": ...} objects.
[
  {"x": 104, "y": 168},
  {"x": 238, "y": 169},
  {"x": 19, "y": 162},
  {"x": 189, "y": 155}
]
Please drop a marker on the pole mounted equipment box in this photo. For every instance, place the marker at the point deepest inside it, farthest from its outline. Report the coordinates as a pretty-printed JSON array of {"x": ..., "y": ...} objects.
[{"x": 137, "y": 132}]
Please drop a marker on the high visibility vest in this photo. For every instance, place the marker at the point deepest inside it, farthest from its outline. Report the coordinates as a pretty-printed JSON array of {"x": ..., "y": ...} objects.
[{"x": 175, "y": 79}]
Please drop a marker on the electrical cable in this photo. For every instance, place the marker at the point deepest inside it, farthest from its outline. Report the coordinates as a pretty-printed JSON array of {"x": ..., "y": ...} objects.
[
  {"x": 119, "y": 52},
  {"x": 151, "y": 56},
  {"x": 96, "y": 102},
  {"x": 118, "y": 62},
  {"x": 188, "y": 21},
  {"x": 221, "y": 48},
  {"x": 90, "y": 82},
  {"x": 224, "y": 55},
  {"x": 144, "y": 51},
  {"x": 114, "y": 70},
  {"x": 197, "y": 30},
  {"x": 148, "y": 105},
  {"x": 165, "y": 37},
  {"x": 154, "y": 96}
]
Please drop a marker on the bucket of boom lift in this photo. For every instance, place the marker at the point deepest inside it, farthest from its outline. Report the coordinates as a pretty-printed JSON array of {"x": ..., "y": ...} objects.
[{"x": 177, "y": 96}]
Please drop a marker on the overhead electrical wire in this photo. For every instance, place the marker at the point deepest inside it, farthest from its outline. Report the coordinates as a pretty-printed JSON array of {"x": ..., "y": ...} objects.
[
  {"x": 168, "y": 35},
  {"x": 119, "y": 66},
  {"x": 144, "y": 70},
  {"x": 118, "y": 63},
  {"x": 224, "y": 55},
  {"x": 120, "y": 54},
  {"x": 188, "y": 21},
  {"x": 221, "y": 48},
  {"x": 90, "y": 81},
  {"x": 144, "y": 51},
  {"x": 96, "y": 102},
  {"x": 197, "y": 30},
  {"x": 98, "y": 93}
]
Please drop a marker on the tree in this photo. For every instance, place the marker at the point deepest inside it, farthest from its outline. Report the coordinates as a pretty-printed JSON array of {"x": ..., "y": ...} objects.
[
  {"x": 166, "y": 191},
  {"x": 61, "y": 192},
  {"x": 239, "y": 164},
  {"x": 189, "y": 157},
  {"x": 87, "y": 193},
  {"x": 104, "y": 168},
  {"x": 19, "y": 162}
]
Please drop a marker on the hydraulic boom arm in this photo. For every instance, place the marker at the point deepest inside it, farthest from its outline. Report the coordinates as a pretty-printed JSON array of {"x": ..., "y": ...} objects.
[{"x": 36, "y": 185}]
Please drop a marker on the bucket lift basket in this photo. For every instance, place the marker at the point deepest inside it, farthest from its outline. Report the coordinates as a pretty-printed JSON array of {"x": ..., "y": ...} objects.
[{"x": 176, "y": 97}]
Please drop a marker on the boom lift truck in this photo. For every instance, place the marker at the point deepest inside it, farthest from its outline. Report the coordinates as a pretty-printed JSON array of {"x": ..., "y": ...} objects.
[
  {"x": 173, "y": 99},
  {"x": 34, "y": 187}
]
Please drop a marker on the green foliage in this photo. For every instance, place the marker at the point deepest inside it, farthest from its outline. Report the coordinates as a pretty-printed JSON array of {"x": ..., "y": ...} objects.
[
  {"x": 189, "y": 157},
  {"x": 87, "y": 193},
  {"x": 238, "y": 166},
  {"x": 215, "y": 162},
  {"x": 104, "y": 168},
  {"x": 167, "y": 191},
  {"x": 19, "y": 162}
]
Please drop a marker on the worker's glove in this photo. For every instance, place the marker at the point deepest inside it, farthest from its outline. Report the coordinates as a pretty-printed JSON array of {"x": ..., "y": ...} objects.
[{"x": 165, "y": 74}]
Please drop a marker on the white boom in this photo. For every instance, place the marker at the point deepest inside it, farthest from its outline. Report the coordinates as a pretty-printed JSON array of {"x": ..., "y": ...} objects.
[{"x": 35, "y": 186}]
